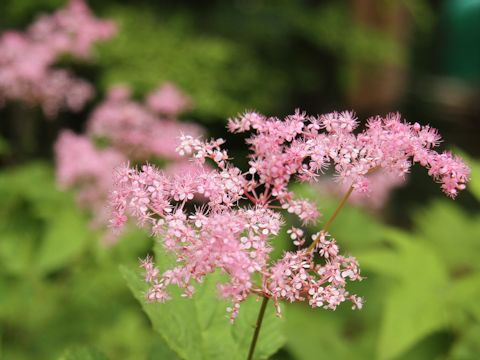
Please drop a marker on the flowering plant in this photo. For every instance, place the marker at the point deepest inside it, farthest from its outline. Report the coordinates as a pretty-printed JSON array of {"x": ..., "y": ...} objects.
[
  {"x": 130, "y": 130},
  {"x": 27, "y": 73},
  {"x": 234, "y": 231}
]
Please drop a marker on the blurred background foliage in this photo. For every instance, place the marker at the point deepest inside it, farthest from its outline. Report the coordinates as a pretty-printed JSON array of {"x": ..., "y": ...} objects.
[{"x": 62, "y": 294}]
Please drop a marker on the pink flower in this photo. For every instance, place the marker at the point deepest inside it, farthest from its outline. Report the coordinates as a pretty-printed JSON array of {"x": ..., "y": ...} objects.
[
  {"x": 234, "y": 233},
  {"x": 168, "y": 100},
  {"x": 26, "y": 59},
  {"x": 134, "y": 129},
  {"x": 80, "y": 165}
]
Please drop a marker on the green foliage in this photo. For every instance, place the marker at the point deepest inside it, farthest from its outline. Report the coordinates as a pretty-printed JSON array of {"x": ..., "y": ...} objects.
[
  {"x": 422, "y": 286},
  {"x": 83, "y": 354},
  {"x": 354, "y": 228},
  {"x": 468, "y": 347},
  {"x": 48, "y": 239},
  {"x": 61, "y": 294},
  {"x": 330, "y": 26},
  {"x": 474, "y": 184},
  {"x": 59, "y": 288},
  {"x": 225, "y": 69},
  {"x": 14, "y": 11},
  {"x": 452, "y": 234},
  {"x": 311, "y": 333},
  {"x": 55, "y": 250},
  {"x": 199, "y": 328},
  {"x": 464, "y": 299},
  {"x": 417, "y": 303},
  {"x": 5, "y": 148},
  {"x": 219, "y": 74}
]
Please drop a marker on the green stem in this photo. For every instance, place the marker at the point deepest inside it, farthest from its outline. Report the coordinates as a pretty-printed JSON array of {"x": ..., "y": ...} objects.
[
  {"x": 258, "y": 325},
  {"x": 310, "y": 249},
  {"x": 329, "y": 221}
]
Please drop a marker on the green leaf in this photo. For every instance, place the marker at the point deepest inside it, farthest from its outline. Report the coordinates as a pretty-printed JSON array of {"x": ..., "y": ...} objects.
[
  {"x": 468, "y": 347},
  {"x": 65, "y": 237},
  {"x": 41, "y": 224},
  {"x": 453, "y": 232},
  {"x": 474, "y": 185},
  {"x": 199, "y": 328},
  {"x": 5, "y": 147},
  {"x": 145, "y": 53},
  {"x": 16, "y": 247},
  {"x": 314, "y": 331},
  {"x": 83, "y": 353},
  {"x": 464, "y": 296},
  {"x": 417, "y": 303}
]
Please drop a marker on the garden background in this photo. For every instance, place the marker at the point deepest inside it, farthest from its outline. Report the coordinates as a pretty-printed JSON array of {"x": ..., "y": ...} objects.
[{"x": 63, "y": 294}]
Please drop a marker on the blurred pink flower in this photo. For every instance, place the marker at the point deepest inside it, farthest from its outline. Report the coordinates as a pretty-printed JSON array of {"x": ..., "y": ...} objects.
[
  {"x": 135, "y": 130},
  {"x": 81, "y": 166},
  {"x": 380, "y": 187},
  {"x": 168, "y": 100},
  {"x": 131, "y": 132},
  {"x": 26, "y": 59}
]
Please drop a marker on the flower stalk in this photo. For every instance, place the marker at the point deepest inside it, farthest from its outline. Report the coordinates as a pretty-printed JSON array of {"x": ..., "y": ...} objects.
[
  {"x": 310, "y": 249},
  {"x": 329, "y": 222},
  {"x": 258, "y": 326},
  {"x": 225, "y": 235}
]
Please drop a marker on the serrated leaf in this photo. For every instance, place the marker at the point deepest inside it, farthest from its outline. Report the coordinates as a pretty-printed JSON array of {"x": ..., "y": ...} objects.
[
  {"x": 199, "y": 328},
  {"x": 417, "y": 303}
]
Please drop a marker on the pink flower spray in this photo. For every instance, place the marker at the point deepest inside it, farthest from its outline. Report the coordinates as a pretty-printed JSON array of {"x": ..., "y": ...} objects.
[{"x": 235, "y": 231}]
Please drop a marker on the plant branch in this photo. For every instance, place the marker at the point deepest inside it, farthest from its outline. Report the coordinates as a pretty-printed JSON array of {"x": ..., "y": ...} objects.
[
  {"x": 258, "y": 325},
  {"x": 310, "y": 249},
  {"x": 330, "y": 220}
]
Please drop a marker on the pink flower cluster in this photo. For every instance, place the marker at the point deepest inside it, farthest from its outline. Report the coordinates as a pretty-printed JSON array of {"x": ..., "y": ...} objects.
[
  {"x": 296, "y": 277},
  {"x": 234, "y": 232},
  {"x": 314, "y": 143},
  {"x": 81, "y": 166},
  {"x": 132, "y": 132},
  {"x": 168, "y": 101},
  {"x": 141, "y": 131},
  {"x": 26, "y": 59}
]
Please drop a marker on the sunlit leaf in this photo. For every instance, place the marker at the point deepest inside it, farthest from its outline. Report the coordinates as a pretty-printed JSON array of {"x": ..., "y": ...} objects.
[
  {"x": 315, "y": 333},
  {"x": 416, "y": 304},
  {"x": 468, "y": 346},
  {"x": 452, "y": 233},
  {"x": 199, "y": 328},
  {"x": 65, "y": 237},
  {"x": 465, "y": 295}
]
